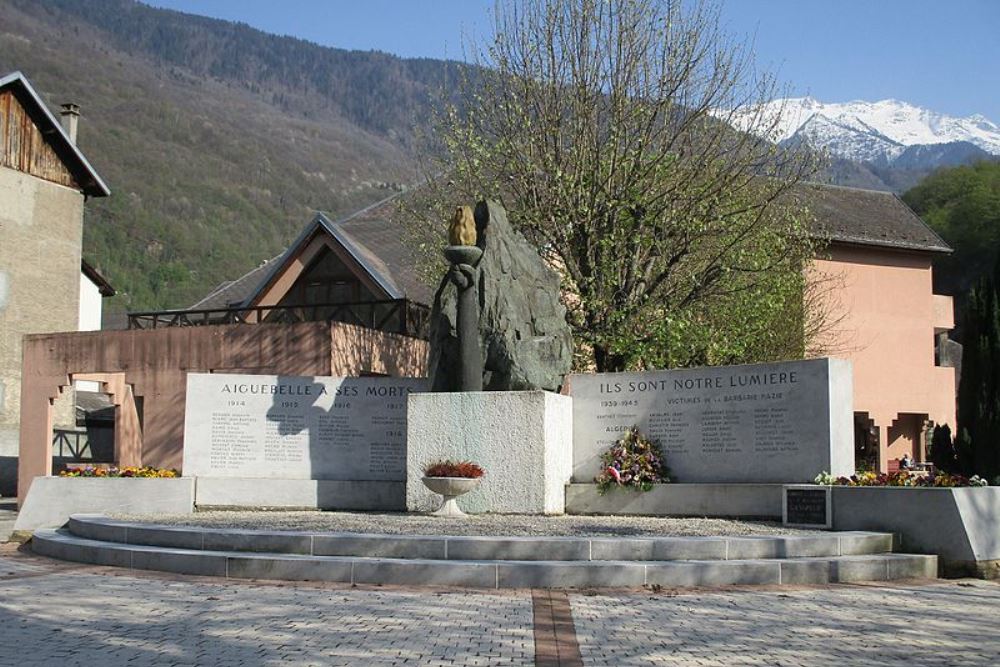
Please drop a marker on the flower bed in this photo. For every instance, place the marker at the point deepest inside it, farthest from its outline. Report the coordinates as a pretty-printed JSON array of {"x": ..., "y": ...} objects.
[
  {"x": 901, "y": 478},
  {"x": 114, "y": 471}
]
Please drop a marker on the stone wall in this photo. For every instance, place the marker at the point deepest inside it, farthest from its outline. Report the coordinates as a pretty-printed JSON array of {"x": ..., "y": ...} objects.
[
  {"x": 760, "y": 423},
  {"x": 155, "y": 364},
  {"x": 959, "y": 525},
  {"x": 41, "y": 231}
]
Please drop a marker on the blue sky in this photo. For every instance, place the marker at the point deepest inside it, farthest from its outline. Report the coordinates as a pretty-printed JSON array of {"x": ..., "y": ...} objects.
[{"x": 940, "y": 54}]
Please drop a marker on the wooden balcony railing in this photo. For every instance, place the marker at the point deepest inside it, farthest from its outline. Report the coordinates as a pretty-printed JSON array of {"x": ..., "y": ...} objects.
[{"x": 399, "y": 316}]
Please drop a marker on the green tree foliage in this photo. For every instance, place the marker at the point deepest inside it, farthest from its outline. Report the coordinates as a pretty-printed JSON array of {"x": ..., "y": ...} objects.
[
  {"x": 605, "y": 128},
  {"x": 965, "y": 460},
  {"x": 962, "y": 204},
  {"x": 979, "y": 389}
]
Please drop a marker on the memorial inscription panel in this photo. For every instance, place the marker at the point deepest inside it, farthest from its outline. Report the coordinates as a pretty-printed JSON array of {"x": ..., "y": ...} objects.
[
  {"x": 283, "y": 427},
  {"x": 807, "y": 506},
  {"x": 780, "y": 422}
]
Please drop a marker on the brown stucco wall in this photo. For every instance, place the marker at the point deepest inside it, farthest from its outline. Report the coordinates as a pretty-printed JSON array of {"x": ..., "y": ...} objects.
[
  {"x": 41, "y": 231},
  {"x": 156, "y": 362}
]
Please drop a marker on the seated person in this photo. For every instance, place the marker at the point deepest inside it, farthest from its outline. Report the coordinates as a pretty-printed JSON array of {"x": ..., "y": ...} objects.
[{"x": 905, "y": 463}]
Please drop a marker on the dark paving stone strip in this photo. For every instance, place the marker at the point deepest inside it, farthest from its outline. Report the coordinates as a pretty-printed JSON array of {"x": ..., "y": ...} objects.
[{"x": 555, "y": 634}]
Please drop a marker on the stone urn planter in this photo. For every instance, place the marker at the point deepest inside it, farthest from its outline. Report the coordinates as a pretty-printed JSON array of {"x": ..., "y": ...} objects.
[{"x": 450, "y": 488}]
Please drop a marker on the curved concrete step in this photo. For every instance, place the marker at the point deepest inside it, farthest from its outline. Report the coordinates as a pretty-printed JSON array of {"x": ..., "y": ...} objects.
[
  {"x": 484, "y": 573},
  {"x": 99, "y": 527}
]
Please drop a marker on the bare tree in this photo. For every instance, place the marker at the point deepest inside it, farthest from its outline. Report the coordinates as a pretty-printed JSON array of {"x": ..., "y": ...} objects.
[{"x": 606, "y": 127}]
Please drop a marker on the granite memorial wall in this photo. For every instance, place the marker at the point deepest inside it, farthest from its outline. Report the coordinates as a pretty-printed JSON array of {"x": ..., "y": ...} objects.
[
  {"x": 282, "y": 427},
  {"x": 763, "y": 423}
]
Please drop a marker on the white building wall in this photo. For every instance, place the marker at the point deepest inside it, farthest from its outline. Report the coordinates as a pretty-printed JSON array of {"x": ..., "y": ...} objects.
[
  {"x": 90, "y": 305},
  {"x": 90, "y": 319}
]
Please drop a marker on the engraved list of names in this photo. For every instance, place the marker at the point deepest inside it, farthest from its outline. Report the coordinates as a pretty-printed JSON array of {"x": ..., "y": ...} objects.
[
  {"x": 781, "y": 422},
  {"x": 282, "y": 427}
]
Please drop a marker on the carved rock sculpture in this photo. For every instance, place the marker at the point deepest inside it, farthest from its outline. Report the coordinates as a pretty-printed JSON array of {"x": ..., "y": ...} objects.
[{"x": 525, "y": 341}]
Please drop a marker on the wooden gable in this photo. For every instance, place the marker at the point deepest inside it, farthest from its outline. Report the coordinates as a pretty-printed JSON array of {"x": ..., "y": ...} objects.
[
  {"x": 289, "y": 284},
  {"x": 23, "y": 146}
]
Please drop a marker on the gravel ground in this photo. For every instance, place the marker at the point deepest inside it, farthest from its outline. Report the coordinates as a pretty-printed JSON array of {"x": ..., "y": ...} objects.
[{"x": 482, "y": 524}]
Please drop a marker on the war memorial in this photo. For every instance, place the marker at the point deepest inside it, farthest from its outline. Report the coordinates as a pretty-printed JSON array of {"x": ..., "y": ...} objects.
[{"x": 739, "y": 442}]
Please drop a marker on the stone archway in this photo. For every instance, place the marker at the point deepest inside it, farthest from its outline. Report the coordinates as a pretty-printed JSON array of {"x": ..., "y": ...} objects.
[
  {"x": 907, "y": 435},
  {"x": 38, "y": 394},
  {"x": 128, "y": 426}
]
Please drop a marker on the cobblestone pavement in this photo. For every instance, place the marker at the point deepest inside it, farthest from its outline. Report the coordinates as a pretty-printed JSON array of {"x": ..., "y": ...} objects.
[
  {"x": 54, "y": 613},
  {"x": 95, "y": 616},
  {"x": 947, "y": 623}
]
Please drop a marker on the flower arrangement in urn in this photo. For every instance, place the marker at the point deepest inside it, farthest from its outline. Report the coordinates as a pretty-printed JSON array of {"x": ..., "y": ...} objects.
[
  {"x": 634, "y": 462},
  {"x": 451, "y": 479}
]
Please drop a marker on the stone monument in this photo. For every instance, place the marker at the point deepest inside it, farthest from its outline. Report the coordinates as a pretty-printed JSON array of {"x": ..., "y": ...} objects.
[
  {"x": 497, "y": 324},
  {"x": 288, "y": 441},
  {"x": 524, "y": 341},
  {"x": 776, "y": 423}
]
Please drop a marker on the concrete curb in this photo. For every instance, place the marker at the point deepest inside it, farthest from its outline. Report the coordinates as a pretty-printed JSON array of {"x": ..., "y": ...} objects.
[
  {"x": 488, "y": 574},
  {"x": 463, "y": 548},
  {"x": 488, "y": 562}
]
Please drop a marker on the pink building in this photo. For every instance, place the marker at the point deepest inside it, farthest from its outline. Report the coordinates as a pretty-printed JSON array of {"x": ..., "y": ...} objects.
[{"x": 886, "y": 319}]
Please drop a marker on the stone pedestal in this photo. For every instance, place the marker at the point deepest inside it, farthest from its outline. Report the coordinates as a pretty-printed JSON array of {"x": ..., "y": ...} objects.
[
  {"x": 450, "y": 489},
  {"x": 523, "y": 439},
  {"x": 959, "y": 525}
]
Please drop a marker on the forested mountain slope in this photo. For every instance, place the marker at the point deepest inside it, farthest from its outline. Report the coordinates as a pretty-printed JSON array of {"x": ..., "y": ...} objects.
[
  {"x": 962, "y": 204},
  {"x": 217, "y": 140}
]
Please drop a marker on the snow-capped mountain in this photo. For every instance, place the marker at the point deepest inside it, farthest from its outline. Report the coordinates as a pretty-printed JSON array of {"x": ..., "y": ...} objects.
[
  {"x": 875, "y": 132},
  {"x": 848, "y": 138}
]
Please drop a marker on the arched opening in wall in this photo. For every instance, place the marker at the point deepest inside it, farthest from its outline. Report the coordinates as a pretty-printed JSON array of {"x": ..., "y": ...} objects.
[
  {"x": 110, "y": 417},
  {"x": 83, "y": 427},
  {"x": 95, "y": 413},
  {"x": 866, "y": 442},
  {"x": 69, "y": 443},
  {"x": 906, "y": 436}
]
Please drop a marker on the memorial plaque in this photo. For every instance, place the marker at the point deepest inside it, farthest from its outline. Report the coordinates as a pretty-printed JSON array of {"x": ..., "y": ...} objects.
[
  {"x": 283, "y": 427},
  {"x": 766, "y": 423},
  {"x": 807, "y": 506}
]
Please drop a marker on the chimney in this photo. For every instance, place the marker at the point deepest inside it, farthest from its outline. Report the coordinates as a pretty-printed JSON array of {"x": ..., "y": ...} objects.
[{"x": 70, "y": 117}]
